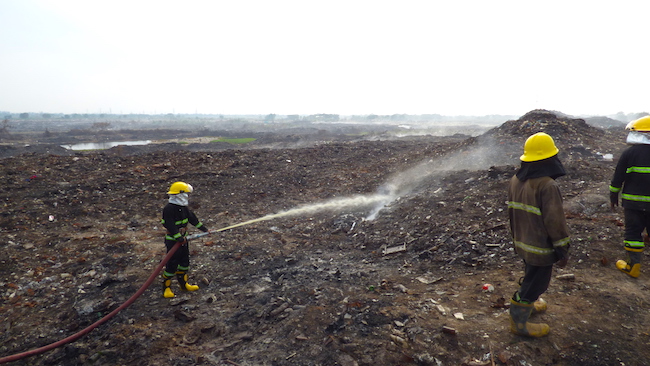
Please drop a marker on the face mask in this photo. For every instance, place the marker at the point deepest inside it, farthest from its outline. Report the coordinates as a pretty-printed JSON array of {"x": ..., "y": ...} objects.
[
  {"x": 181, "y": 199},
  {"x": 636, "y": 137}
]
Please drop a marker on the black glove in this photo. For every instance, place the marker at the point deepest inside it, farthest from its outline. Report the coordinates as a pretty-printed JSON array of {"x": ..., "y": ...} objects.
[
  {"x": 563, "y": 256},
  {"x": 613, "y": 199}
]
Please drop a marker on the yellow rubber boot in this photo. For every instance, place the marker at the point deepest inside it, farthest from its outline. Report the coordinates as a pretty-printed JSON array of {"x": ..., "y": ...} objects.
[
  {"x": 182, "y": 281},
  {"x": 633, "y": 270},
  {"x": 519, "y": 314},
  {"x": 539, "y": 306},
  {"x": 167, "y": 291},
  {"x": 631, "y": 266}
]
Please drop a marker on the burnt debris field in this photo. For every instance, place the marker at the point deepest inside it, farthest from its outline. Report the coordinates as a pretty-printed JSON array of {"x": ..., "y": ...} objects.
[{"x": 371, "y": 252}]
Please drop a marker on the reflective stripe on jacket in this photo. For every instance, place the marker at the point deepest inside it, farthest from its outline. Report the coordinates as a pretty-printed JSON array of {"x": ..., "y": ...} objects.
[
  {"x": 537, "y": 222},
  {"x": 175, "y": 219},
  {"x": 632, "y": 177}
]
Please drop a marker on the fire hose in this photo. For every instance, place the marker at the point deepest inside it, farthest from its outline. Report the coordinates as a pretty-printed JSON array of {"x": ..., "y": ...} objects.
[
  {"x": 359, "y": 200},
  {"x": 103, "y": 320}
]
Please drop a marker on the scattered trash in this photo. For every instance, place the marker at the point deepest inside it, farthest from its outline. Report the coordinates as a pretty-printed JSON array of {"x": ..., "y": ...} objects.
[
  {"x": 307, "y": 264},
  {"x": 211, "y": 299},
  {"x": 279, "y": 309},
  {"x": 399, "y": 248},
  {"x": 448, "y": 330},
  {"x": 459, "y": 316},
  {"x": 441, "y": 309},
  {"x": 488, "y": 287},
  {"x": 51, "y": 218},
  {"x": 183, "y": 316},
  {"x": 475, "y": 362},
  {"x": 566, "y": 277},
  {"x": 501, "y": 304},
  {"x": 428, "y": 281},
  {"x": 399, "y": 340},
  {"x": 606, "y": 157},
  {"x": 402, "y": 288}
]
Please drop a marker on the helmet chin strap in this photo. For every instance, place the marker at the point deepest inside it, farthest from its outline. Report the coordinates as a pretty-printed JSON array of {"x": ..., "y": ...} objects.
[{"x": 181, "y": 199}]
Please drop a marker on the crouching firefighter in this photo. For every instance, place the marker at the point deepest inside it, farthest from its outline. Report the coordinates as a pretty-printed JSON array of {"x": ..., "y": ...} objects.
[
  {"x": 632, "y": 181},
  {"x": 175, "y": 217},
  {"x": 538, "y": 227}
]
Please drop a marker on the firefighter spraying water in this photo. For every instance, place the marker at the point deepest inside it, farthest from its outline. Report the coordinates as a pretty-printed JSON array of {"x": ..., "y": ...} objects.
[{"x": 175, "y": 218}]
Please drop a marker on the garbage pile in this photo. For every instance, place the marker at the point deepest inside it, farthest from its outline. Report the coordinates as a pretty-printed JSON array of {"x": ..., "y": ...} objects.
[{"x": 425, "y": 282}]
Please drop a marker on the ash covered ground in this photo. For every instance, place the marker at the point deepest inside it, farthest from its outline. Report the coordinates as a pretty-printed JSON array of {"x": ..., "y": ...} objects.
[{"x": 376, "y": 253}]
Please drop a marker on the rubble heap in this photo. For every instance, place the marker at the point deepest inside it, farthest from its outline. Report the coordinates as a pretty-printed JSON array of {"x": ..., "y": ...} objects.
[{"x": 426, "y": 282}]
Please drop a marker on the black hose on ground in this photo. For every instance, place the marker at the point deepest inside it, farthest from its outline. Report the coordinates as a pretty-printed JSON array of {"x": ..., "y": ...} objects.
[{"x": 103, "y": 320}]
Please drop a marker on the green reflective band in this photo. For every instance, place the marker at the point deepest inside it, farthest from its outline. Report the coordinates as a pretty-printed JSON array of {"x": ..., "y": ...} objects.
[
  {"x": 182, "y": 268},
  {"x": 524, "y": 207},
  {"x": 199, "y": 225},
  {"x": 162, "y": 221},
  {"x": 614, "y": 189},
  {"x": 533, "y": 249},
  {"x": 561, "y": 242},
  {"x": 184, "y": 221},
  {"x": 634, "y": 197},
  {"x": 638, "y": 169},
  {"x": 174, "y": 237},
  {"x": 634, "y": 244}
]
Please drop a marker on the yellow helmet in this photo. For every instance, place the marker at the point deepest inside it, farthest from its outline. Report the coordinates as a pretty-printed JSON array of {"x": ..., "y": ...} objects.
[
  {"x": 642, "y": 125},
  {"x": 539, "y": 146},
  {"x": 180, "y": 187}
]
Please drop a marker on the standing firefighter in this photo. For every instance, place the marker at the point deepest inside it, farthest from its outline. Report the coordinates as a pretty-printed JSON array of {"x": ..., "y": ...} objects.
[
  {"x": 538, "y": 227},
  {"x": 632, "y": 177},
  {"x": 175, "y": 217}
]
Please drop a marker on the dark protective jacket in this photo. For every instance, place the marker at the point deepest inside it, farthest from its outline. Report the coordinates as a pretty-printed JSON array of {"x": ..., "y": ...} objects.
[
  {"x": 632, "y": 176},
  {"x": 175, "y": 219},
  {"x": 537, "y": 222}
]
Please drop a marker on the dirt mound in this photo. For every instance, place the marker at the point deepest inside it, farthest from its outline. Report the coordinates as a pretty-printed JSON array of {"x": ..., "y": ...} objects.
[
  {"x": 605, "y": 122},
  {"x": 576, "y": 139},
  {"x": 330, "y": 286},
  {"x": 560, "y": 127}
]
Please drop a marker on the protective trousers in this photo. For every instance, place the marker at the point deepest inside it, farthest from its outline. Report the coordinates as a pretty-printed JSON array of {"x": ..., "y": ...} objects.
[
  {"x": 535, "y": 282},
  {"x": 180, "y": 260},
  {"x": 636, "y": 222}
]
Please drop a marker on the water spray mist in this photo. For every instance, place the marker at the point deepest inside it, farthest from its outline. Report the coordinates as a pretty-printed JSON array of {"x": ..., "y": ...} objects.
[{"x": 480, "y": 157}]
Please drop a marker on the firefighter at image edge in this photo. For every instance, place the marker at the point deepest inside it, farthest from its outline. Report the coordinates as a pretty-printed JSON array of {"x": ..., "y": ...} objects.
[
  {"x": 539, "y": 230},
  {"x": 175, "y": 217},
  {"x": 632, "y": 180}
]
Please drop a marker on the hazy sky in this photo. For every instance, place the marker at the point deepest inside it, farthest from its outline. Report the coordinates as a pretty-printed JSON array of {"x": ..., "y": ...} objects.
[{"x": 342, "y": 57}]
